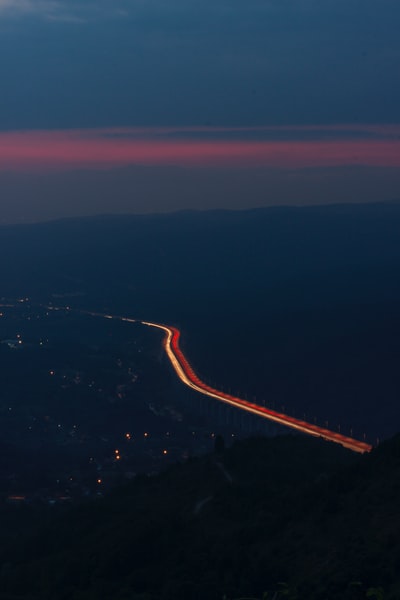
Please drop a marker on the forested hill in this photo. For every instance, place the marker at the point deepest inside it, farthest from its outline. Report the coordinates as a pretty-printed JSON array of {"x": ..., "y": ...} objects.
[{"x": 288, "y": 517}]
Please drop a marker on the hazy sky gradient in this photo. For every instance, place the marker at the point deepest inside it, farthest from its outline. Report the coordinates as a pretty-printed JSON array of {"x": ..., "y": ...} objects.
[{"x": 81, "y": 65}]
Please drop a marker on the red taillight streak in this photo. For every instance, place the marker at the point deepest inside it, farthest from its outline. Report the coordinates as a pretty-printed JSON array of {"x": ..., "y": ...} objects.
[{"x": 186, "y": 374}]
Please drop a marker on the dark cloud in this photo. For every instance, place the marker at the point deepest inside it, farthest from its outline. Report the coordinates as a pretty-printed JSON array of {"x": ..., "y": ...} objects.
[
  {"x": 151, "y": 62},
  {"x": 73, "y": 11}
]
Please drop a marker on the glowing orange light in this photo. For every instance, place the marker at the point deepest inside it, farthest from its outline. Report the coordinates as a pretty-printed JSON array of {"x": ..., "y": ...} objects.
[{"x": 165, "y": 451}]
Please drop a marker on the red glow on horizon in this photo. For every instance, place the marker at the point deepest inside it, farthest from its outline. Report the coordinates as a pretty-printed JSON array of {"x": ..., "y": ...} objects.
[{"x": 119, "y": 147}]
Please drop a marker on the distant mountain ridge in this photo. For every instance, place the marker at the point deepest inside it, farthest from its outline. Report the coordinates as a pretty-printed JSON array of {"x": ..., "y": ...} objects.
[{"x": 189, "y": 248}]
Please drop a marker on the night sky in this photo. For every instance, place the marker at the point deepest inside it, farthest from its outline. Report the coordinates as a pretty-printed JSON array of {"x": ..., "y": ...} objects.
[{"x": 148, "y": 105}]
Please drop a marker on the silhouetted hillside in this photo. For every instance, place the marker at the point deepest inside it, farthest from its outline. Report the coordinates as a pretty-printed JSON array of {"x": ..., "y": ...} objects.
[{"x": 294, "y": 517}]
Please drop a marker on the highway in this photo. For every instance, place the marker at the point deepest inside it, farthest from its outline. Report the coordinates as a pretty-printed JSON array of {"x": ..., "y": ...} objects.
[{"x": 188, "y": 376}]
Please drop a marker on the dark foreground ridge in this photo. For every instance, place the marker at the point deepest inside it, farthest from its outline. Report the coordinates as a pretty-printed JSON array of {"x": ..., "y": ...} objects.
[{"x": 288, "y": 517}]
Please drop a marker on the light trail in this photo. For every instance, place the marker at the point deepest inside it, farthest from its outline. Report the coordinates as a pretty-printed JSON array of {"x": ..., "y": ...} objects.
[{"x": 186, "y": 374}]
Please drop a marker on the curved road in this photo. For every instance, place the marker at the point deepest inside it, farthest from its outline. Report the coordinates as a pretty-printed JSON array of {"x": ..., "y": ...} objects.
[{"x": 186, "y": 374}]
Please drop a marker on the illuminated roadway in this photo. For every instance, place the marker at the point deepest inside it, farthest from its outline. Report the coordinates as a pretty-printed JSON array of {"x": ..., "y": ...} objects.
[{"x": 186, "y": 374}]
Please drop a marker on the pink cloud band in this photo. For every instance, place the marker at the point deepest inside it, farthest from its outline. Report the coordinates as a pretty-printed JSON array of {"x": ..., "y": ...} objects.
[{"x": 108, "y": 148}]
